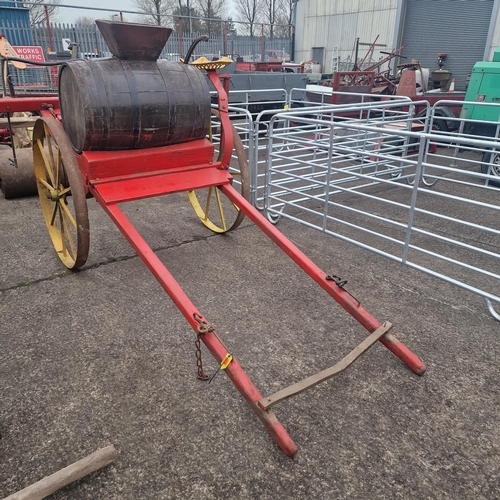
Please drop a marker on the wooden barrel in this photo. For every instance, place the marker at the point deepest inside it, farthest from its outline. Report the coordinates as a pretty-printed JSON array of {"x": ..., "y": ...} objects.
[{"x": 112, "y": 104}]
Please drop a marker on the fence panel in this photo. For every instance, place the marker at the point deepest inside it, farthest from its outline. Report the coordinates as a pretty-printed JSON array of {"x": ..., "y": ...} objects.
[
  {"x": 90, "y": 42},
  {"x": 425, "y": 200}
]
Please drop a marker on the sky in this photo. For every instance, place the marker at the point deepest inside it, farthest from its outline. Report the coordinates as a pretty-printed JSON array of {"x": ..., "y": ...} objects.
[{"x": 68, "y": 14}]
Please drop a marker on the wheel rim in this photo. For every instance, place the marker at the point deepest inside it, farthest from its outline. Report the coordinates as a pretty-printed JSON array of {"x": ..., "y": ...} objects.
[
  {"x": 495, "y": 165},
  {"x": 213, "y": 208},
  {"x": 61, "y": 192}
]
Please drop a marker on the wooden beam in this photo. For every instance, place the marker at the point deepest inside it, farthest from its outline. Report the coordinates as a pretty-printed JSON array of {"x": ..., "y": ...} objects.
[
  {"x": 73, "y": 472},
  {"x": 18, "y": 122},
  {"x": 307, "y": 383}
]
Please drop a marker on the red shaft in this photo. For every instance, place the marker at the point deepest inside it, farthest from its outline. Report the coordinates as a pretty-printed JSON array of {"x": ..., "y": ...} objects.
[
  {"x": 235, "y": 372},
  {"x": 341, "y": 296}
]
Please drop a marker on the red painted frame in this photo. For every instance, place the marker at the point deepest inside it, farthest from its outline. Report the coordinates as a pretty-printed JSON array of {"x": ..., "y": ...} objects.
[
  {"x": 210, "y": 338},
  {"x": 112, "y": 178},
  {"x": 14, "y": 104},
  {"x": 111, "y": 191}
]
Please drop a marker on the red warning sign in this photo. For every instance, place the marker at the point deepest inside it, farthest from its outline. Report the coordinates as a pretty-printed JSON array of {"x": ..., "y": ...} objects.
[{"x": 30, "y": 52}]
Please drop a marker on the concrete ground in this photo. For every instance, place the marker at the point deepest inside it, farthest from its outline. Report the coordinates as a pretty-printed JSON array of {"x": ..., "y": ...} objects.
[{"x": 102, "y": 356}]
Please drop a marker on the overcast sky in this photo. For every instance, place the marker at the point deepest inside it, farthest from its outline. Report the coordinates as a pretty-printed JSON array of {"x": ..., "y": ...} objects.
[{"x": 68, "y": 15}]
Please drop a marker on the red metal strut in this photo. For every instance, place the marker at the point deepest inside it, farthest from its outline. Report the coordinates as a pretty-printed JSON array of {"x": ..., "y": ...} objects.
[
  {"x": 210, "y": 338},
  {"x": 351, "y": 305}
]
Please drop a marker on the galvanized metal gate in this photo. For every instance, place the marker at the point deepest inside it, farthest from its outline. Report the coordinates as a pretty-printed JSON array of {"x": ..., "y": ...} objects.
[{"x": 374, "y": 175}]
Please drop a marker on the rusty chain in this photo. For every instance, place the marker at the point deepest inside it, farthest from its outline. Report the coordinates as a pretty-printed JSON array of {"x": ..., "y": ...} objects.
[
  {"x": 201, "y": 374},
  {"x": 203, "y": 327}
]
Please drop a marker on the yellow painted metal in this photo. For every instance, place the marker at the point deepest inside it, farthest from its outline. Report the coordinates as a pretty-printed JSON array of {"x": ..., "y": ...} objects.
[
  {"x": 213, "y": 208},
  {"x": 203, "y": 63},
  {"x": 61, "y": 192}
]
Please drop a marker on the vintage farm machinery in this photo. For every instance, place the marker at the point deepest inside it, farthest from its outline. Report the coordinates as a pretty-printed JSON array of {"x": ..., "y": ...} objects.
[{"x": 131, "y": 127}]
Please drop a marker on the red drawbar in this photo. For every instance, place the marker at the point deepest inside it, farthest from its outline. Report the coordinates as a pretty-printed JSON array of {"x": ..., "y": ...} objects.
[
  {"x": 235, "y": 372},
  {"x": 341, "y": 296}
]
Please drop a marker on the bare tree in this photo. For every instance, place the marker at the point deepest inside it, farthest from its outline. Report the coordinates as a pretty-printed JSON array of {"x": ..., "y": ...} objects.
[
  {"x": 190, "y": 19},
  {"x": 248, "y": 11},
  {"x": 156, "y": 10},
  {"x": 284, "y": 19},
  {"x": 37, "y": 12},
  {"x": 84, "y": 21},
  {"x": 278, "y": 15},
  {"x": 270, "y": 10},
  {"x": 212, "y": 9}
]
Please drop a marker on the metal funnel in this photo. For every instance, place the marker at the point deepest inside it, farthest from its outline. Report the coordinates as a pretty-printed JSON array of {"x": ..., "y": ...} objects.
[{"x": 134, "y": 41}]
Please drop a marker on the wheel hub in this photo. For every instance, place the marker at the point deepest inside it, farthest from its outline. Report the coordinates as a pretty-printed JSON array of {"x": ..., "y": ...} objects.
[{"x": 54, "y": 195}]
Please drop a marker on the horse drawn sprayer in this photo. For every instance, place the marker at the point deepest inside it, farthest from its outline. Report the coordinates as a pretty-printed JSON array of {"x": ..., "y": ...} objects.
[{"x": 134, "y": 126}]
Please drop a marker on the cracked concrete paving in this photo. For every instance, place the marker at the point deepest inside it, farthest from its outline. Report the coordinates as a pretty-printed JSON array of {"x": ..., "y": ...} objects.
[{"x": 102, "y": 356}]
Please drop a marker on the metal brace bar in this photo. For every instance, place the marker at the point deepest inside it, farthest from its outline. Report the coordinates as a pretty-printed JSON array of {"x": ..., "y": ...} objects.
[{"x": 307, "y": 383}]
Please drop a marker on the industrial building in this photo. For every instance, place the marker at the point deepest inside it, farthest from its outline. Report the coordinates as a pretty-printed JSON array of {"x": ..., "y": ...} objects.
[{"x": 466, "y": 31}]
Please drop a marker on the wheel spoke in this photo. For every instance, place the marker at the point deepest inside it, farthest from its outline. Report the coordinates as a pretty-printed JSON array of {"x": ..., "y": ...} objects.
[
  {"x": 221, "y": 212},
  {"x": 58, "y": 167},
  {"x": 48, "y": 140},
  {"x": 54, "y": 212},
  {"x": 65, "y": 208},
  {"x": 48, "y": 168},
  {"x": 46, "y": 184},
  {"x": 207, "y": 205},
  {"x": 68, "y": 234},
  {"x": 64, "y": 191},
  {"x": 61, "y": 228}
]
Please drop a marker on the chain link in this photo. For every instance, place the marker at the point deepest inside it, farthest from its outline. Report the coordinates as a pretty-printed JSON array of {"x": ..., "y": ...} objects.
[
  {"x": 203, "y": 327},
  {"x": 201, "y": 374}
]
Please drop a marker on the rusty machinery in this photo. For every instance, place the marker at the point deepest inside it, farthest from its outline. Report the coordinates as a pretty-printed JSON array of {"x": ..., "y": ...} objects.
[{"x": 132, "y": 127}]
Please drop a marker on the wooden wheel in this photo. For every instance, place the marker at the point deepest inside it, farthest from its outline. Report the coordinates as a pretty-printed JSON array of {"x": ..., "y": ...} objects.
[
  {"x": 213, "y": 208},
  {"x": 61, "y": 192}
]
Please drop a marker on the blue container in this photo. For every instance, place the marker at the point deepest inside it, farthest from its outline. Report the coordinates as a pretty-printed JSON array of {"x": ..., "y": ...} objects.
[{"x": 15, "y": 23}]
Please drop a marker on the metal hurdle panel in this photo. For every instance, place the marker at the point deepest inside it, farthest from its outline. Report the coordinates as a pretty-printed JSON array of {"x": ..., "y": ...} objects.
[
  {"x": 419, "y": 198},
  {"x": 245, "y": 106},
  {"x": 364, "y": 107},
  {"x": 34, "y": 80},
  {"x": 252, "y": 110}
]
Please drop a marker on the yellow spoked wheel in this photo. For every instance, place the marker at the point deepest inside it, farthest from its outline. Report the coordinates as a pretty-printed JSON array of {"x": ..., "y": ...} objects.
[
  {"x": 61, "y": 192},
  {"x": 213, "y": 208}
]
